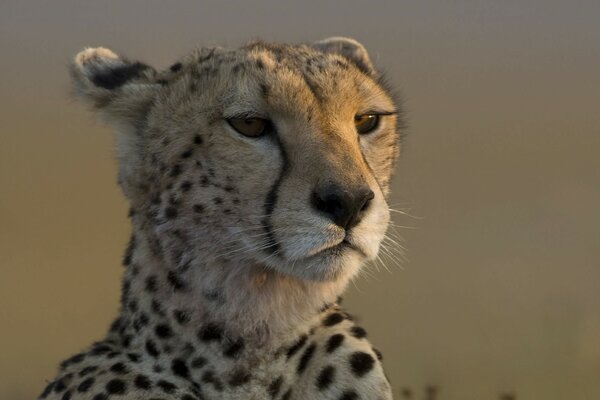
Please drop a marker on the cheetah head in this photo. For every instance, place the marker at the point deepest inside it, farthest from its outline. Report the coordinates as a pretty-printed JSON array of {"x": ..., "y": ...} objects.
[{"x": 269, "y": 156}]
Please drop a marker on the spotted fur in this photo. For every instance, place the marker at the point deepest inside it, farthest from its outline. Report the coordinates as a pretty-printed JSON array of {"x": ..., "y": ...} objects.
[{"x": 232, "y": 271}]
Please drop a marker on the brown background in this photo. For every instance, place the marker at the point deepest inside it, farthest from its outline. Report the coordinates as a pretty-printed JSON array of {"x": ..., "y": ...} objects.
[{"x": 500, "y": 173}]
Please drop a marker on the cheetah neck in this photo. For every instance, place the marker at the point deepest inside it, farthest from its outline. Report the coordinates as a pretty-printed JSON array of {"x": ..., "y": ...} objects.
[{"x": 250, "y": 301}]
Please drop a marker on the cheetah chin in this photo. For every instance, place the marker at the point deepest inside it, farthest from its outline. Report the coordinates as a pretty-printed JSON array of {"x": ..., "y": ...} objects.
[{"x": 258, "y": 180}]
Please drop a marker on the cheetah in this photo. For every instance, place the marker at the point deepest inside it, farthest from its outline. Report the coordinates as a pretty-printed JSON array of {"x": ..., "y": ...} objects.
[{"x": 257, "y": 179}]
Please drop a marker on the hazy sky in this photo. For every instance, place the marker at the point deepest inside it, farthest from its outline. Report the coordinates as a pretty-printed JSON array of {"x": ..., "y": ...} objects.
[{"x": 499, "y": 173}]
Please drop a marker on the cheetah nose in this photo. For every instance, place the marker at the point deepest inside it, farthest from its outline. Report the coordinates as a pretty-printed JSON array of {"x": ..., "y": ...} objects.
[{"x": 344, "y": 207}]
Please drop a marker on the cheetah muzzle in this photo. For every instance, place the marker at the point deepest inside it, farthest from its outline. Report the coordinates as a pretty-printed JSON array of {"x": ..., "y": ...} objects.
[{"x": 258, "y": 180}]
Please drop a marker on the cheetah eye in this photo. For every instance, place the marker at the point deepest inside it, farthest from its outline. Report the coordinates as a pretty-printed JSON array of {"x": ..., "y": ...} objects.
[
  {"x": 251, "y": 127},
  {"x": 366, "y": 123}
]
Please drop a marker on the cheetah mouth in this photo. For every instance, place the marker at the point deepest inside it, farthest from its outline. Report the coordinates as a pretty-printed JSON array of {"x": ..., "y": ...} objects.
[{"x": 339, "y": 248}]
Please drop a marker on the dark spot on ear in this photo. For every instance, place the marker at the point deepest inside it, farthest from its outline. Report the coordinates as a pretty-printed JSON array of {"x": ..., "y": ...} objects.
[
  {"x": 175, "y": 67},
  {"x": 116, "y": 77}
]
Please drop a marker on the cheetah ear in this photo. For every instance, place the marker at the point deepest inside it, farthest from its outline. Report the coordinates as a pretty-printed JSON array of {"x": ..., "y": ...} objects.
[
  {"x": 118, "y": 88},
  {"x": 349, "y": 48}
]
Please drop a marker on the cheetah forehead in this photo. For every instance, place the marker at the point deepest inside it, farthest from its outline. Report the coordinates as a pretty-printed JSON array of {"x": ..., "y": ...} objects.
[{"x": 277, "y": 73}]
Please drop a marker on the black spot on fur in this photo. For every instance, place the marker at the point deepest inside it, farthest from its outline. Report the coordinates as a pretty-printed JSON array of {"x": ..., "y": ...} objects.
[
  {"x": 179, "y": 368},
  {"x": 47, "y": 390},
  {"x": 100, "y": 348},
  {"x": 116, "y": 77},
  {"x": 349, "y": 395},
  {"x": 85, "y": 385},
  {"x": 333, "y": 319},
  {"x": 163, "y": 331},
  {"x": 306, "y": 357},
  {"x": 325, "y": 377},
  {"x": 59, "y": 386},
  {"x": 210, "y": 332},
  {"x": 151, "y": 284},
  {"x": 175, "y": 281},
  {"x": 119, "y": 368},
  {"x": 170, "y": 212},
  {"x": 77, "y": 358},
  {"x": 166, "y": 386},
  {"x": 361, "y": 363},
  {"x": 186, "y": 186},
  {"x": 186, "y": 154},
  {"x": 66, "y": 395},
  {"x": 175, "y": 67},
  {"x": 358, "y": 332},
  {"x": 198, "y": 208},
  {"x": 334, "y": 342},
  {"x": 151, "y": 348},
  {"x": 234, "y": 349},
  {"x": 116, "y": 386},
  {"x": 275, "y": 387},
  {"x": 296, "y": 346},
  {"x": 100, "y": 396},
  {"x": 198, "y": 139},
  {"x": 175, "y": 171},
  {"x": 238, "y": 378},
  {"x": 88, "y": 370}
]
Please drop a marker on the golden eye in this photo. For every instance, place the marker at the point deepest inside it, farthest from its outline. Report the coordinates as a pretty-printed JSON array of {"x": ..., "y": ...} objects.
[
  {"x": 251, "y": 127},
  {"x": 366, "y": 123}
]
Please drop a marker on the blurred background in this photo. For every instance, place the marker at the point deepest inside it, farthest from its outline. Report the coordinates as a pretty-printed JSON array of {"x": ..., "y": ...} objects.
[{"x": 500, "y": 294}]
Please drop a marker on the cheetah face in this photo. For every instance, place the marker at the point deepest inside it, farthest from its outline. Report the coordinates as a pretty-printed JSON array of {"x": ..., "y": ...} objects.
[{"x": 272, "y": 156}]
